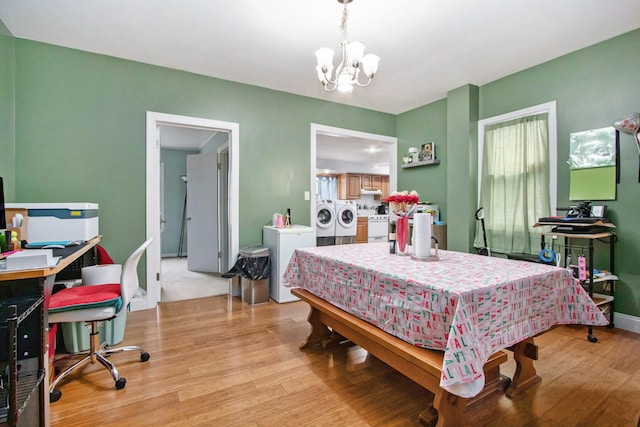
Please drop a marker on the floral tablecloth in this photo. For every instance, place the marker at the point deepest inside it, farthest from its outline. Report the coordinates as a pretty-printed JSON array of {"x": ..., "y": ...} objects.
[{"x": 468, "y": 305}]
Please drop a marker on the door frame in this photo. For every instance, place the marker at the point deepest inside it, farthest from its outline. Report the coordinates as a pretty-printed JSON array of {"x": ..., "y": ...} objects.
[
  {"x": 151, "y": 298},
  {"x": 323, "y": 129}
]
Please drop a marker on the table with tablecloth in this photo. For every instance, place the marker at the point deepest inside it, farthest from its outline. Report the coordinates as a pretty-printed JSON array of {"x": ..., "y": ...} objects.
[{"x": 467, "y": 305}]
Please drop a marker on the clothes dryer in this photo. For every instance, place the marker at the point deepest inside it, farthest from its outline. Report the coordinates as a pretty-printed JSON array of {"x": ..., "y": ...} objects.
[
  {"x": 325, "y": 223},
  {"x": 346, "y": 221}
]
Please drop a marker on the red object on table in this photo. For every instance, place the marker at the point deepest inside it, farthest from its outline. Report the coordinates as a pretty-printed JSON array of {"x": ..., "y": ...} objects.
[{"x": 402, "y": 232}]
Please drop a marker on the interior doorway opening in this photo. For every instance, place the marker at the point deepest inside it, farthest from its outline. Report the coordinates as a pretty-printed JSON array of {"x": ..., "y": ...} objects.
[
  {"x": 322, "y": 130},
  {"x": 227, "y": 224}
]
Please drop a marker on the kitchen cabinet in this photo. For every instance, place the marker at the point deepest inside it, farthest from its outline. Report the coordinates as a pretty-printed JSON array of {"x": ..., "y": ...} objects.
[
  {"x": 362, "y": 230},
  {"x": 349, "y": 186},
  {"x": 376, "y": 182},
  {"x": 365, "y": 182},
  {"x": 371, "y": 182},
  {"x": 384, "y": 187}
]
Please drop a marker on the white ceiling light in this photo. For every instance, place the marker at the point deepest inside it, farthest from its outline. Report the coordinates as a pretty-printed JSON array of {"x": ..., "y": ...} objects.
[{"x": 347, "y": 72}]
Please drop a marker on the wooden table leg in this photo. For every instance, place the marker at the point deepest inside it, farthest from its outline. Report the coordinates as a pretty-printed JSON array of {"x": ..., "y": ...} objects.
[
  {"x": 450, "y": 410},
  {"x": 524, "y": 353},
  {"x": 319, "y": 331}
]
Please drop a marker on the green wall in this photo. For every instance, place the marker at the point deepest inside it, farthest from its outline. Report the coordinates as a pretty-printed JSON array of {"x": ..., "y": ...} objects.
[
  {"x": 414, "y": 128},
  {"x": 175, "y": 165},
  {"x": 7, "y": 117},
  {"x": 80, "y": 136},
  {"x": 592, "y": 87}
]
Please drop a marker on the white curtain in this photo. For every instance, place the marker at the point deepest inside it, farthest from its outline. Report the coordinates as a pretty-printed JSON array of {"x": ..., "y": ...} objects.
[
  {"x": 326, "y": 187},
  {"x": 514, "y": 190}
]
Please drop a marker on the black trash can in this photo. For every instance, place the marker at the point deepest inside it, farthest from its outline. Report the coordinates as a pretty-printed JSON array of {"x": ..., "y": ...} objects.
[{"x": 254, "y": 268}]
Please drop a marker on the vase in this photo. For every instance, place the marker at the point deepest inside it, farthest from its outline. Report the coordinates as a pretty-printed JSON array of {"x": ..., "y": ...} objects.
[{"x": 402, "y": 232}]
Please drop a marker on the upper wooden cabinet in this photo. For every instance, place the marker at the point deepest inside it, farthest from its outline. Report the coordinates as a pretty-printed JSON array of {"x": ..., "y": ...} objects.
[
  {"x": 365, "y": 182},
  {"x": 350, "y": 184},
  {"x": 376, "y": 182},
  {"x": 384, "y": 187}
]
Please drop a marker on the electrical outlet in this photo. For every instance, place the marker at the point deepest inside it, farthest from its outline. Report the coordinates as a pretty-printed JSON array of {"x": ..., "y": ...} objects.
[{"x": 307, "y": 195}]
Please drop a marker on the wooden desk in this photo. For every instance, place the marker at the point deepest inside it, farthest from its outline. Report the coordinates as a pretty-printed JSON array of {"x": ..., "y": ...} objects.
[{"x": 26, "y": 409}]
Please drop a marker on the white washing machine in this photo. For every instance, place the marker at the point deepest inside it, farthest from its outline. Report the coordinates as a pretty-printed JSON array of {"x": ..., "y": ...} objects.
[
  {"x": 346, "y": 221},
  {"x": 325, "y": 223}
]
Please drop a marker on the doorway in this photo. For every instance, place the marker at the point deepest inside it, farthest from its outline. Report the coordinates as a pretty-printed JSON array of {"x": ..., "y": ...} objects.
[
  {"x": 191, "y": 210},
  {"x": 228, "y": 221},
  {"x": 344, "y": 134}
]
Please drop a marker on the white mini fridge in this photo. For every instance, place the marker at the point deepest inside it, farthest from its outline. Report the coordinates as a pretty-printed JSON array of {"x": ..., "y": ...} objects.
[{"x": 281, "y": 243}]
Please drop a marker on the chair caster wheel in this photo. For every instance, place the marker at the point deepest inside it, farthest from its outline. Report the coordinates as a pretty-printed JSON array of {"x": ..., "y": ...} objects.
[
  {"x": 55, "y": 395},
  {"x": 144, "y": 357},
  {"x": 120, "y": 383},
  {"x": 592, "y": 338}
]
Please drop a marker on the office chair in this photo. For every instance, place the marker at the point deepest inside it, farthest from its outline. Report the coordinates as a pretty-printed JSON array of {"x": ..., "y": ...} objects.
[{"x": 93, "y": 304}]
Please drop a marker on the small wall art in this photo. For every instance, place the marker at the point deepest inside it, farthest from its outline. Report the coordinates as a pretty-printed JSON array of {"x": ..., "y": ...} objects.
[{"x": 428, "y": 152}]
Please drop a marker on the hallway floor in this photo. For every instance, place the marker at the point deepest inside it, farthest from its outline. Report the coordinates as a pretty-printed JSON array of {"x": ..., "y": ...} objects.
[{"x": 179, "y": 284}]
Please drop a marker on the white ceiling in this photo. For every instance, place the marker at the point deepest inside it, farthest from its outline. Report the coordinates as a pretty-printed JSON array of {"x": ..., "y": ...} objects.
[
  {"x": 427, "y": 48},
  {"x": 353, "y": 150},
  {"x": 184, "y": 138}
]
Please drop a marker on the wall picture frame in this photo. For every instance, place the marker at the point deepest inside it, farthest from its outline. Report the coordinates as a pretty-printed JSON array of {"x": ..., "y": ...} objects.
[
  {"x": 593, "y": 162},
  {"x": 427, "y": 152}
]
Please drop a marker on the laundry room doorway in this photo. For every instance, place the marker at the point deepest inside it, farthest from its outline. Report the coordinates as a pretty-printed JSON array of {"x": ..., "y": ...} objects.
[{"x": 344, "y": 137}]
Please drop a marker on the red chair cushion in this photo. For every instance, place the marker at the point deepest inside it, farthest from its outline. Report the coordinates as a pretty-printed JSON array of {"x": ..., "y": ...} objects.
[{"x": 82, "y": 297}]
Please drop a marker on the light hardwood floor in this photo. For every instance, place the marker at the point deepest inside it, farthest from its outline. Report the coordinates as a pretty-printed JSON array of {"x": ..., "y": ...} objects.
[{"x": 219, "y": 362}]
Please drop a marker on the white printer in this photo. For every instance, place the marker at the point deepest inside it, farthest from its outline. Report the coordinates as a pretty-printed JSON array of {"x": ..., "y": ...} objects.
[{"x": 55, "y": 222}]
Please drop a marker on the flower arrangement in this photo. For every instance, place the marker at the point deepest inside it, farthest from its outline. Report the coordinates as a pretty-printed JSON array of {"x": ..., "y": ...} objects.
[{"x": 403, "y": 203}]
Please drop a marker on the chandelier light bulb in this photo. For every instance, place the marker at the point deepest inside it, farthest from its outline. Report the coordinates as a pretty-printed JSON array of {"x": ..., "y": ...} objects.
[
  {"x": 324, "y": 55},
  {"x": 355, "y": 51},
  {"x": 370, "y": 64},
  {"x": 347, "y": 72}
]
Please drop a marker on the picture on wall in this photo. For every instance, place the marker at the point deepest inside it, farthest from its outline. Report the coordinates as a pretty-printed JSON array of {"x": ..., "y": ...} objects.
[
  {"x": 593, "y": 164},
  {"x": 427, "y": 152}
]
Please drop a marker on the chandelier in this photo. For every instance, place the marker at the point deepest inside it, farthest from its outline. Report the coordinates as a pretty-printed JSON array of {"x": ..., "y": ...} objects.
[{"x": 347, "y": 73}]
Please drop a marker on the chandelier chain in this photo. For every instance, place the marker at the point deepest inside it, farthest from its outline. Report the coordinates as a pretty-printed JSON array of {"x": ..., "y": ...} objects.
[{"x": 343, "y": 24}]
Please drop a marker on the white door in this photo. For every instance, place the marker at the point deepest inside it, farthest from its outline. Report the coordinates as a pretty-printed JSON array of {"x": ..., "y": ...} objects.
[{"x": 202, "y": 213}]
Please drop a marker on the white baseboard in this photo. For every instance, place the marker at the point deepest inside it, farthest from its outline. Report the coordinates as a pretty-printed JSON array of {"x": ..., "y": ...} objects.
[{"x": 626, "y": 322}]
